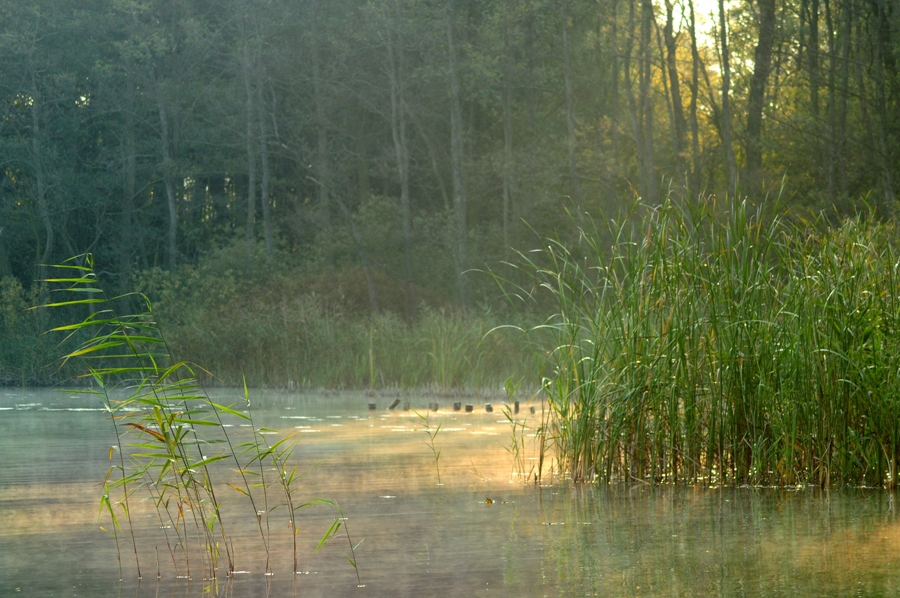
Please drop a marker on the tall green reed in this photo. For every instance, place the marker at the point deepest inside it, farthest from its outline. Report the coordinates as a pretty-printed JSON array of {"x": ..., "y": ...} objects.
[
  {"x": 718, "y": 344},
  {"x": 169, "y": 433}
]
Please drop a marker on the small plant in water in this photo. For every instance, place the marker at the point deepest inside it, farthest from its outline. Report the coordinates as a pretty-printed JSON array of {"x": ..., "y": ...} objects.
[
  {"x": 517, "y": 432},
  {"x": 432, "y": 434},
  {"x": 177, "y": 433}
]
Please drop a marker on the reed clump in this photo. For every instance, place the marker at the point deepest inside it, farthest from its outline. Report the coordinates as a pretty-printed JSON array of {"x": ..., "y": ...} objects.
[
  {"x": 172, "y": 441},
  {"x": 707, "y": 344}
]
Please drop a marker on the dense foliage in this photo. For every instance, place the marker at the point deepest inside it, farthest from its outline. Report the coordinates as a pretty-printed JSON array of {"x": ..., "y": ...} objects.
[
  {"x": 390, "y": 148},
  {"x": 411, "y": 137}
]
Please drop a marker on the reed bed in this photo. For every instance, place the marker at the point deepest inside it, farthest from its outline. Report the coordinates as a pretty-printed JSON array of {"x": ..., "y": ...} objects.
[
  {"x": 300, "y": 342},
  {"x": 699, "y": 343}
]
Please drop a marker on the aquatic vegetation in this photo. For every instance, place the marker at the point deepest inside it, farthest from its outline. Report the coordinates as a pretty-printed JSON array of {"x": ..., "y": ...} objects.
[
  {"x": 432, "y": 433},
  {"x": 719, "y": 343},
  {"x": 518, "y": 427},
  {"x": 172, "y": 439}
]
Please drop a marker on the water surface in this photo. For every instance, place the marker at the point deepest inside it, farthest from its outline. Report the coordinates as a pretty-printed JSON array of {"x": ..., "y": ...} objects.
[{"x": 483, "y": 531}]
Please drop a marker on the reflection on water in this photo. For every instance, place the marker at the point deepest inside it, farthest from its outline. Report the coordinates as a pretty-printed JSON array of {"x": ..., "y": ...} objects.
[{"x": 482, "y": 532}]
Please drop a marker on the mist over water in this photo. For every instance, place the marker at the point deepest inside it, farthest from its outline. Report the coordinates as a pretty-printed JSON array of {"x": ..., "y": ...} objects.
[{"x": 483, "y": 531}]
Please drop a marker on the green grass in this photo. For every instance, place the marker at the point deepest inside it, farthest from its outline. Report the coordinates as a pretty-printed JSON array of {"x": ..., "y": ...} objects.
[{"x": 717, "y": 344}]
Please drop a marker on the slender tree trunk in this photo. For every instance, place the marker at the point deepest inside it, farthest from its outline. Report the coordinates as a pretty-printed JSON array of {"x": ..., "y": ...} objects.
[
  {"x": 725, "y": 125},
  {"x": 40, "y": 179},
  {"x": 251, "y": 140},
  {"x": 838, "y": 145},
  {"x": 530, "y": 94},
  {"x": 634, "y": 109},
  {"x": 813, "y": 58},
  {"x": 322, "y": 162},
  {"x": 507, "y": 127},
  {"x": 401, "y": 153},
  {"x": 435, "y": 163},
  {"x": 128, "y": 235},
  {"x": 168, "y": 168},
  {"x": 756, "y": 97},
  {"x": 883, "y": 61},
  {"x": 574, "y": 183},
  {"x": 832, "y": 156},
  {"x": 650, "y": 183},
  {"x": 695, "y": 90},
  {"x": 679, "y": 125},
  {"x": 614, "y": 78},
  {"x": 266, "y": 169},
  {"x": 460, "y": 199}
]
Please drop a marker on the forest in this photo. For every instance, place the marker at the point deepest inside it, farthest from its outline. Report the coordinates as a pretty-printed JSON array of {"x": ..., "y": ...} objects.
[{"x": 330, "y": 180}]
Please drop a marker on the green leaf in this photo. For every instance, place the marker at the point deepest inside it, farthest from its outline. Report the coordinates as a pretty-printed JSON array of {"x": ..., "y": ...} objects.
[{"x": 230, "y": 411}]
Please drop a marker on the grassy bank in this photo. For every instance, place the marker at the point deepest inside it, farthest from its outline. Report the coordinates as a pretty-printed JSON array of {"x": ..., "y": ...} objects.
[{"x": 700, "y": 343}]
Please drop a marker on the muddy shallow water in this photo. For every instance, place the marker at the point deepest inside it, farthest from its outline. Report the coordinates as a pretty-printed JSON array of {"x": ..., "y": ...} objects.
[{"x": 481, "y": 532}]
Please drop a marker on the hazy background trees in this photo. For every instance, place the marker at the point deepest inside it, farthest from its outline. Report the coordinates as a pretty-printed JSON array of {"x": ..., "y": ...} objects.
[{"x": 418, "y": 139}]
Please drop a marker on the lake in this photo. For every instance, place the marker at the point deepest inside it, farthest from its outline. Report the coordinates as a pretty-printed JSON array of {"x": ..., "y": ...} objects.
[{"x": 482, "y": 531}]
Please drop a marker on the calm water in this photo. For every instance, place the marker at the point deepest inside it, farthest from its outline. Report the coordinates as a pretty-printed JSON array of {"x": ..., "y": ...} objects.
[{"x": 421, "y": 539}]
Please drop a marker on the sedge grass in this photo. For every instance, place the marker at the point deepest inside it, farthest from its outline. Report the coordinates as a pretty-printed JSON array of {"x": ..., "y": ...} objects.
[{"x": 713, "y": 344}]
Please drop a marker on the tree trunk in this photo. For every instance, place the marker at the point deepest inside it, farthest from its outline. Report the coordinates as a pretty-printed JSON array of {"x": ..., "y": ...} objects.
[
  {"x": 725, "y": 125},
  {"x": 574, "y": 183},
  {"x": 884, "y": 75},
  {"x": 322, "y": 165},
  {"x": 168, "y": 167},
  {"x": 266, "y": 169},
  {"x": 756, "y": 97},
  {"x": 614, "y": 78},
  {"x": 507, "y": 128},
  {"x": 629, "y": 87},
  {"x": 460, "y": 200},
  {"x": 40, "y": 179},
  {"x": 650, "y": 185},
  {"x": 127, "y": 233},
  {"x": 831, "y": 154},
  {"x": 679, "y": 125},
  {"x": 695, "y": 91},
  {"x": 838, "y": 176},
  {"x": 433, "y": 157},
  {"x": 251, "y": 140},
  {"x": 401, "y": 154},
  {"x": 812, "y": 58}
]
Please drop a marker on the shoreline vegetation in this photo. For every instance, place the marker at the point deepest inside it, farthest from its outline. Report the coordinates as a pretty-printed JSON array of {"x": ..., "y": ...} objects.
[
  {"x": 293, "y": 332},
  {"x": 703, "y": 343},
  {"x": 724, "y": 344}
]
